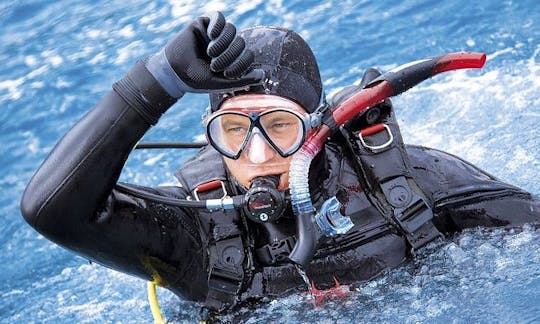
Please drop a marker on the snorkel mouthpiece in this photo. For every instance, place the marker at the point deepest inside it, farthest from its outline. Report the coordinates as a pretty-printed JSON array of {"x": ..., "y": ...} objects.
[
  {"x": 308, "y": 230},
  {"x": 330, "y": 219}
]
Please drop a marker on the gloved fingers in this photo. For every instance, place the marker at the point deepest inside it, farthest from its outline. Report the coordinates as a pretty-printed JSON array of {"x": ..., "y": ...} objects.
[
  {"x": 201, "y": 26},
  {"x": 215, "y": 25},
  {"x": 179, "y": 48},
  {"x": 205, "y": 56},
  {"x": 239, "y": 66},
  {"x": 231, "y": 54},
  {"x": 220, "y": 43}
]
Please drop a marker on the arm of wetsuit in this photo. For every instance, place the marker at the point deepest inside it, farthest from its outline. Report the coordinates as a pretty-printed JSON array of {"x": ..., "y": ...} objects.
[
  {"x": 465, "y": 196},
  {"x": 70, "y": 199}
]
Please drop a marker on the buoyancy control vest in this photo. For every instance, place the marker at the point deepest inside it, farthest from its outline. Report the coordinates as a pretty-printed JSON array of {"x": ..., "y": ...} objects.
[{"x": 391, "y": 218}]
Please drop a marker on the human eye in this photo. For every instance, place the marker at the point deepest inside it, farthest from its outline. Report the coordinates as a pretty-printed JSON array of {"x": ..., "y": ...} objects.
[
  {"x": 281, "y": 125},
  {"x": 234, "y": 125},
  {"x": 236, "y": 130}
]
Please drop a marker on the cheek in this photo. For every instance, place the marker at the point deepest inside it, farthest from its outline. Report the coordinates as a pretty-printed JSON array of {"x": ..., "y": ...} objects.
[
  {"x": 239, "y": 169},
  {"x": 234, "y": 166}
]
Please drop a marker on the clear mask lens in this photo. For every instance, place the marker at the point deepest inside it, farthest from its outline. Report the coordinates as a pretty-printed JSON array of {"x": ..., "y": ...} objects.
[{"x": 230, "y": 132}]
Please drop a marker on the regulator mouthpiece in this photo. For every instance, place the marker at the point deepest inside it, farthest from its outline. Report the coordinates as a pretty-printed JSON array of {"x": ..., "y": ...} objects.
[{"x": 264, "y": 203}]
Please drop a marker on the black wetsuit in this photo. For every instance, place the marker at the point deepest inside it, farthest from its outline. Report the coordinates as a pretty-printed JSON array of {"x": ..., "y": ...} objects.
[{"x": 72, "y": 201}]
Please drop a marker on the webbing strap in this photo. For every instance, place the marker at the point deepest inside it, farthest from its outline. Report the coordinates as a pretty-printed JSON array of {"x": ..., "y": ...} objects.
[
  {"x": 383, "y": 162},
  {"x": 411, "y": 212},
  {"x": 226, "y": 271}
]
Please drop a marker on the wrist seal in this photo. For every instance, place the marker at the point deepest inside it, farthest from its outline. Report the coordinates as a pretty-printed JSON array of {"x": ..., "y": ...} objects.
[{"x": 140, "y": 90}]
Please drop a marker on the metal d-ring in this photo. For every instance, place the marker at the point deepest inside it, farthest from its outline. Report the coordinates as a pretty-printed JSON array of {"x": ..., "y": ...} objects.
[{"x": 375, "y": 148}]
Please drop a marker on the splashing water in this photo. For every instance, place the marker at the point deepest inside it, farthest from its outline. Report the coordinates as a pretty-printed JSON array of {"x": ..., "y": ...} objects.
[{"x": 304, "y": 277}]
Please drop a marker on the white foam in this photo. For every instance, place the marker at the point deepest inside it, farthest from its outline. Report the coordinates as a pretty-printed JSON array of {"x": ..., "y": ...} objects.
[
  {"x": 37, "y": 85},
  {"x": 246, "y": 6},
  {"x": 128, "y": 52},
  {"x": 30, "y": 60},
  {"x": 100, "y": 57},
  {"x": 14, "y": 91},
  {"x": 214, "y": 5},
  {"x": 56, "y": 60},
  {"x": 33, "y": 145},
  {"x": 455, "y": 253},
  {"x": 52, "y": 58},
  {"x": 37, "y": 72},
  {"x": 199, "y": 138},
  {"x": 13, "y": 292},
  {"x": 95, "y": 33},
  {"x": 153, "y": 160},
  {"x": 127, "y": 31},
  {"x": 520, "y": 159},
  {"x": 182, "y": 9}
]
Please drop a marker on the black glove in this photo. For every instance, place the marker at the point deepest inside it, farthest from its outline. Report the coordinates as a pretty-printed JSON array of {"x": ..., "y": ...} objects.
[{"x": 206, "y": 56}]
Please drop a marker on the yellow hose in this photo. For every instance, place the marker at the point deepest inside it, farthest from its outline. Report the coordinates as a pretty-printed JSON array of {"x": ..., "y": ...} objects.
[{"x": 154, "y": 305}]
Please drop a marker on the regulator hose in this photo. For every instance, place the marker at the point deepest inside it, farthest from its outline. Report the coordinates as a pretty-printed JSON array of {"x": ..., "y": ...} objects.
[{"x": 387, "y": 85}]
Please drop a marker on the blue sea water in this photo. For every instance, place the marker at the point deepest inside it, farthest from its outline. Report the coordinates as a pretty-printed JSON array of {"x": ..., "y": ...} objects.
[{"x": 59, "y": 57}]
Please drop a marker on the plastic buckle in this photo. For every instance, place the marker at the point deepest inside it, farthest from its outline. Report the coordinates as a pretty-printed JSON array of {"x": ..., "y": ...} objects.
[
  {"x": 277, "y": 251},
  {"x": 414, "y": 215},
  {"x": 223, "y": 289},
  {"x": 374, "y": 130},
  {"x": 209, "y": 186}
]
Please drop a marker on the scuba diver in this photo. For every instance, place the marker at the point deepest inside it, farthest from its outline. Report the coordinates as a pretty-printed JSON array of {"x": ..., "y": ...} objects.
[{"x": 290, "y": 182}]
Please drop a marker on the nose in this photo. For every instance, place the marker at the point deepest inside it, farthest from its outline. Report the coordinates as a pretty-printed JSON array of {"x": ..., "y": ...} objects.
[{"x": 258, "y": 150}]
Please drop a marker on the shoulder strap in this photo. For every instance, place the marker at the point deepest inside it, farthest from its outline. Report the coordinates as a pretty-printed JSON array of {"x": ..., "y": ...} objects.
[
  {"x": 381, "y": 159},
  {"x": 203, "y": 168}
]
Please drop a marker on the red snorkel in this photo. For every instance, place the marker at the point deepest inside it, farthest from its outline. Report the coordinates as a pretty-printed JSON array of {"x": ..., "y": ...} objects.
[{"x": 387, "y": 85}]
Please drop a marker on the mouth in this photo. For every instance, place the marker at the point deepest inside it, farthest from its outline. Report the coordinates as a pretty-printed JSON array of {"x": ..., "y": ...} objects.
[{"x": 283, "y": 183}]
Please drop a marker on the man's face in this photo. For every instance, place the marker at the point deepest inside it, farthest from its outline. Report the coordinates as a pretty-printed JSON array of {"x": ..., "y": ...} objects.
[{"x": 259, "y": 158}]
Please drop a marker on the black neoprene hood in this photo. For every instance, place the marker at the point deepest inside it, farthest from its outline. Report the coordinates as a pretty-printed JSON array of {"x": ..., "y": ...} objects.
[{"x": 289, "y": 65}]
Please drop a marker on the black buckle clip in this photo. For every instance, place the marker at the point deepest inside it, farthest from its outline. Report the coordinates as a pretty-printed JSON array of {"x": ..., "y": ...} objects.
[
  {"x": 224, "y": 280},
  {"x": 277, "y": 251},
  {"x": 414, "y": 215},
  {"x": 410, "y": 209},
  {"x": 226, "y": 273}
]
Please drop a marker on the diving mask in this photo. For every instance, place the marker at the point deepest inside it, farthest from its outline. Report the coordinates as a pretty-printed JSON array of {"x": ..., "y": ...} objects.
[{"x": 284, "y": 129}]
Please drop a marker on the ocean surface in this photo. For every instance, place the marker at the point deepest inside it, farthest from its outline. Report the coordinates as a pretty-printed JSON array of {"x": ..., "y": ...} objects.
[{"x": 58, "y": 58}]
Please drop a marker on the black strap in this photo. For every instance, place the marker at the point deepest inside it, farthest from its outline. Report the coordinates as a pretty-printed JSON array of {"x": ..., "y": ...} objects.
[
  {"x": 411, "y": 212},
  {"x": 390, "y": 183},
  {"x": 226, "y": 272},
  {"x": 229, "y": 261}
]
